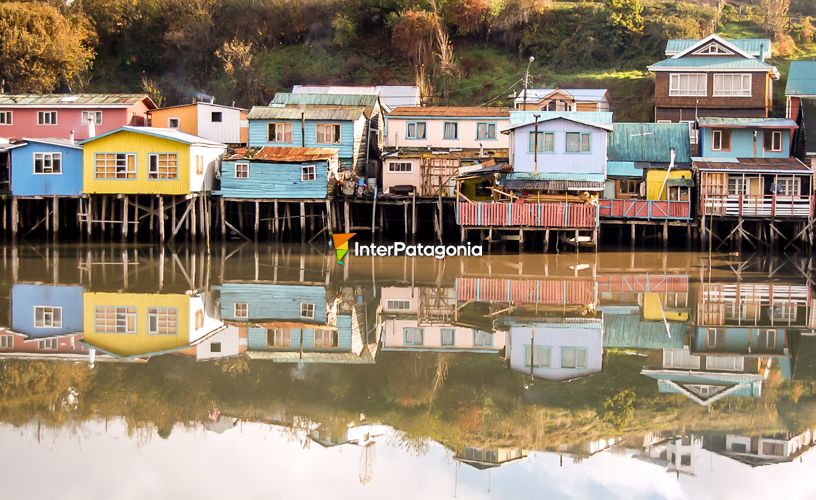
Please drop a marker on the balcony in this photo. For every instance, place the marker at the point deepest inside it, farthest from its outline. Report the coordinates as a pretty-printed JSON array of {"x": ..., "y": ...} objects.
[
  {"x": 522, "y": 214},
  {"x": 769, "y": 205},
  {"x": 645, "y": 209}
]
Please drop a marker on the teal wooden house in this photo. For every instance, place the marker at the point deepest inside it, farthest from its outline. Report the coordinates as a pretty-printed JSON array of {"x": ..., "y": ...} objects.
[{"x": 279, "y": 173}]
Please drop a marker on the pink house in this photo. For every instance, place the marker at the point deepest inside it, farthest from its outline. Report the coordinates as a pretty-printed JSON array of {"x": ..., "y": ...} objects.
[{"x": 57, "y": 115}]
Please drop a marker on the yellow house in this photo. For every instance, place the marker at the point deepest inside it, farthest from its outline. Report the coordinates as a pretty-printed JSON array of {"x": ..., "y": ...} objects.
[
  {"x": 215, "y": 122},
  {"x": 655, "y": 308},
  {"x": 148, "y": 160},
  {"x": 677, "y": 186},
  {"x": 137, "y": 325}
]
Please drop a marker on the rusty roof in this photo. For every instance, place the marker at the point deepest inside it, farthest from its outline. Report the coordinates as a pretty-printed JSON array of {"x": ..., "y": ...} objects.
[
  {"x": 74, "y": 100},
  {"x": 759, "y": 165},
  {"x": 278, "y": 112},
  {"x": 457, "y": 111},
  {"x": 282, "y": 154}
]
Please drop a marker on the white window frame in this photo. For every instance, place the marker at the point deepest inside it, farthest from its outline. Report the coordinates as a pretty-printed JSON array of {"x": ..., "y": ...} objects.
[
  {"x": 284, "y": 132},
  {"x": 675, "y": 88},
  {"x": 577, "y": 350},
  {"x": 774, "y": 147},
  {"x": 744, "y": 81},
  {"x": 308, "y": 173},
  {"x": 49, "y": 318},
  {"x": 86, "y": 117},
  {"x": 400, "y": 167},
  {"x": 581, "y": 136},
  {"x": 241, "y": 170},
  {"x": 240, "y": 305},
  {"x": 307, "y": 310},
  {"x": 486, "y": 131},
  {"x": 47, "y": 159},
  {"x": 154, "y": 171},
  {"x": 482, "y": 338},
  {"x": 792, "y": 186},
  {"x": 531, "y": 143},
  {"x": 7, "y": 341},
  {"x": 713, "y": 49},
  {"x": 321, "y": 130},
  {"x": 718, "y": 145},
  {"x": 320, "y": 337},
  {"x": 6, "y": 118},
  {"x": 447, "y": 342},
  {"x": 41, "y": 118},
  {"x": 541, "y": 356},
  {"x": 170, "y": 122},
  {"x": 740, "y": 185}
]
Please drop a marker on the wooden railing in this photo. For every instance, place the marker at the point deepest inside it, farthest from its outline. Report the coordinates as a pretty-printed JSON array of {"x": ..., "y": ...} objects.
[
  {"x": 544, "y": 215},
  {"x": 770, "y": 205},
  {"x": 645, "y": 209}
]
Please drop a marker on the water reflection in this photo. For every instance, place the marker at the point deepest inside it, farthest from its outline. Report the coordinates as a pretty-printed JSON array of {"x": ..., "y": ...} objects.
[{"x": 661, "y": 359}]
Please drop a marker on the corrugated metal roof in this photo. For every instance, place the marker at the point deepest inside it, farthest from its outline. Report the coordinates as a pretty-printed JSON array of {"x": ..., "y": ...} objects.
[
  {"x": 391, "y": 96},
  {"x": 55, "y": 142},
  {"x": 623, "y": 169},
  {"x": 629, "y": 330},
  {"x": 750, "y": 45},
  {"x": 583, "y": 95},
  {"x": 57, "y": 100},
  {"x": 556, "y": 176},
  {"x": 309, "y": 113},
  {"x": 649, "y": 142},
  {"x": 443, "y": 111},
  {"x": 555, "y": 185},
  {"x": 282, "y": 154},
  {"x": 436, "y": 152},
  {"x": 164, "y": 133},
  {"x": 521, "y": 117},
  {"x": 367, "y": 101},
  {"x": 712, "y": 63},
  {"x": 766, "y": 165},
  {"x": 605, "y": 126},
  {"x": 801, "y": 78},
  {"x": 718, "y": 122}
]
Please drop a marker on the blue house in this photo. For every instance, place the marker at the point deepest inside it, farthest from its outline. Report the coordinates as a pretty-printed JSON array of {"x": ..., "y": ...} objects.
[
  {"x": 46, "y": 310},
  {"x": 279, "y": 173},
  {"x": 46, "y": 167}
]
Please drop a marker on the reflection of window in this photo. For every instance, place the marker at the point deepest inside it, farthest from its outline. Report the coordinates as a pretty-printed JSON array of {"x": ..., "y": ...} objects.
[
  {"x": 162, "y": 321},
  {"x": 685, "y": 460},
  {"x": 241, "y": 310},
  {"x": 307, "y": 310},
  {"x": 400, "y": 167},
  {"x": 112, "y": 319},
  {"x": 6, "y": 118},
  {"x": 47, "y": 317},
  {"x": 448, "y": 336},
  {"x": 540, "y": 356},
  {"x": 279, "y": 337},
  {"x": 215, "y": 347},
  {"x": 715, "y": 338},
  {"x": 6, "y": 341},
  {"x": 739, "y": 447},
  {"x": 482, "y": 338},
  {"x": 573, "y": 357},
  {"x": 401, "y": 305},
  {"x": 767, "y": 339},
  {"x": 326, "y": 339},
  {"x": 774, "y": 449},
  {"x": 412, "y": 336},
  {"x": 199, "y": 319},
  {"x": 48, "y": 344}
]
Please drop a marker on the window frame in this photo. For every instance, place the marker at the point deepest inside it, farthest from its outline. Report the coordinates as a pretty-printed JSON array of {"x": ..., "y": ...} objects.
[
  {"x": 410, "y": 169},
  {"x": 308, "y": 173},
  {"x": 51, "y": 156},
  {"x": 789, "y": 181},
  {"x": 3, "y": 341},
  {"x": 450, "y": 342},
  {"x": 488, "y": 126},
  {"x": 166, "y": 315},
  {"x": 170, "y": 122},
  {"x": 116, "y": 172},
  {"x": 542, "y": 352},
  {"x": 674, "y": 90},
  {"x": 156, "y": 175},
  {"x": 577, "y": 350},
  {"x": 220, "y": 117},
  {"x": 732, "y": 93},
  {"x": 335, "y": 127},
  {"x": 120, "y": 314},
  {"x": 242, "y": 305},
  {"x": 724, "y": 133},
  {"x": 97, "y": 118},
  {"x": 287, "y": 129},
  {"x": 237, "y": 171},
  {"x": 772, "y": 134},
  {"x": 51, "y": 309},
  {"x": 4, "y": 114},
  {"x": 307, "y": 310},
  {"x": 581, "y": 136},
  {"x": 445, "y": 135},
  {"x": 415, "y": 136},
  {"x": 41, "y": 118},
  {"x": 414, "y": 331},
  {"x": 48, "y": 344},
  {"x": 542, "y": 143}
]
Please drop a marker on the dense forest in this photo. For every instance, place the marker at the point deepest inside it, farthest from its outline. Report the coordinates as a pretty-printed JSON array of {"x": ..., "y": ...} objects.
[{"x": 458, "y": 51}]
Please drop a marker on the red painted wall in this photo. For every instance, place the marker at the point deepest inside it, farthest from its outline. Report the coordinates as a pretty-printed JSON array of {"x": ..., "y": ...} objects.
[{"x": 24, "y": 121}]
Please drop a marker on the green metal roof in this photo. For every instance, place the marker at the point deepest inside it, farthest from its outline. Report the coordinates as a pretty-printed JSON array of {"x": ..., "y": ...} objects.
[
  {"x": 355, "y": 100},
  {"x": 278, "y": 112},
  {"x": 522, "y": 117},
  {"x": 801, "y": 78},
  {"x": 752, "y": 45},
  {"x": 631, "y": 331},
  {"x": 649, "y": 142},
  {"x": 623, "y": 169},
  {"x": 712, "y": 63},
  {"x": 716, "y": 121}
]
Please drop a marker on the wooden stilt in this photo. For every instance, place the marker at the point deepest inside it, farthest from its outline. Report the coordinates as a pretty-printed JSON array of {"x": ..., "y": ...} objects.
[
  {"x": 15, "y": 217},
  {"x": 55, "y": 213},
  {"x": 413, "y": 214},
  {"x": 347, "y": 215},
  {"x": 89, "y": 216},
  {"x": 257, "y": 226},
  {"x": 193, "y": 219},
  {"x": 302, "y": 221},
  {"x": 222, "y": 209},
  {"x": 161, "y": 219},
  {"x": 136, "y": 217}
]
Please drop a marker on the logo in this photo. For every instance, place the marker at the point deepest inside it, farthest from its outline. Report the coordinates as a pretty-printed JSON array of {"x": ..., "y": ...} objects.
[{"x": 341, "y": 246}]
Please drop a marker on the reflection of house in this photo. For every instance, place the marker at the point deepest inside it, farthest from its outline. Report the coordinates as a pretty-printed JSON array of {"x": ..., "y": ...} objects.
[
  {"x": 226, "y": 343},
  {"x": 486, "y": 458},
  {"x": 762, "y": 449},
  {"x": 803, "y": 347},
  {"x": 563, "y": 100},
  {"x": 557, "y": 351},
  {"x": 678, "y": 454},
  {"x": 139, "y": 325},
  {"x": 56, "y": 346},
  {"x": 46, "y": 310}
]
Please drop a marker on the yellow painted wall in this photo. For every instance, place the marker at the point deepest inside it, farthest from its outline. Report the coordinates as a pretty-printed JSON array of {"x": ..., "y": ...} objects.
[
  {"x": 128, "y": 344},
  {"x": 141, "y": 145},
  {"x": 651, "y": 309},
  {"x": 187, "y": 115},
  {"x": 654, "y": 181}
]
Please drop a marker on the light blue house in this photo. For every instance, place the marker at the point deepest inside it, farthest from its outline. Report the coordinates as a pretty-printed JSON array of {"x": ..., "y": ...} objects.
[
  {"x": 745, "y": 137},
  {"x": 279, "y": 173},
  {"x": 46, "y": 310},
  {"x": 46, "y": 167}
]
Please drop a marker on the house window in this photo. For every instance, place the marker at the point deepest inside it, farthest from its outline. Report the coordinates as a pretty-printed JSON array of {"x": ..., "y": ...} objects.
[
  {"x": 737, "y": 186},
  {"x": 307, "y": 310},
  {"x": 6, "y": 118},
  {"x": 112, "y": 319},
  {"x": 47, "y": 317},
  {"x": 692, "y": 130},
  {"x": 94, "y": 117},
  {"x": 401, "y": 167},
  {"x": 578, "y": 142},
  {"x": 485, "y": 131},
  {"x": 173, "y": 122},
  {"x": 773, "y": 449},
  {"x": 215, "y": 347},
  {"x": 241, "y": 310},
  {"x": 767, "y": 339},
  {"x": 787, "y": 186},
  {"x": 279, "y": 132},
  {"x": 216, "y": 117},
  {"x": 573, "y": 357},
  {"x": 242, "y": 170},
  {"x": 115, "y": 165},
  {"x": 557, "y": 105},
  {"x": 721, "y": 139},
  {"x": 326, "y": 339},
  {"x": 416, "y": 130},
  {"x": 448, "y": 336},
  {"x": 412, "y": 336},
  {"x": 308, "y": 173},
  {"x": 162, "y": 166},
  {"x": 773, "y": 140},
  {"x": 279, "y": 337},
  {"x": 732, "y": 85},
  {"x": 162, "y": 321},
  {"x": 401, "y": 305},
  {"x": 715, "y": 338},
  {"x": 47, "y": 163},
  {"x": 629, "y": 187},
  {"x": 482, "y": 339},
  {"x": 199, "y": 165},
  {"x": 541, "y": 142},
  {"x": 687, "y": 84},
  {"x": 48, "y": 344},
  {"x": 713, "y": 49},
  {"x": 327, "y": 133},
  {"x": 199, "y": 319},
  {"x": 46, "y": 117},
  {"x": 6, "y": 341},
  {"x": 538, "y": 357},
  {"x": 451, "y": 131}
]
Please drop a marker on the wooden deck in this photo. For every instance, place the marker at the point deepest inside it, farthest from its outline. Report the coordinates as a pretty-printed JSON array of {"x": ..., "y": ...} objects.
[
  {"x": 775, "y": 206},
  {"x": 521, "y": 214},
  {"x": 657, "y": 210}
]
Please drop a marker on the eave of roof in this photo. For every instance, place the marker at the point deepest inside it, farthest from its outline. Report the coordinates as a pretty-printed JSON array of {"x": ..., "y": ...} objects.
[
  {"x": 74, "y": 100},
  {"x": 603, "y": 126},
  {"x": 163, "y": 133},
  {"x": 449, "y": 111}
]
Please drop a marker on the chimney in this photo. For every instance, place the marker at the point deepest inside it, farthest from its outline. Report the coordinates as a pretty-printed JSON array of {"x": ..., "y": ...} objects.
[
  {"x": 91, "y": 129},
  {"x": 71, "y": 136},
  {"x": 761, "y": 51},
  {"x": 481, "y": 150},
  {"x": 212, "y": 99}
]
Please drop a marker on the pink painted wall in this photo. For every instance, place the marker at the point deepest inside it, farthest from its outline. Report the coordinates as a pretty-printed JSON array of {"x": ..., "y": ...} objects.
[{"x": 24, "y": 121}]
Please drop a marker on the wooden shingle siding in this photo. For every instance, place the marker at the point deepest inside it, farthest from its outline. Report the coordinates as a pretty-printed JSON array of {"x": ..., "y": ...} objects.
[
  {"x": 755, "y": 106},
  {"x": 274, "y": 180}
]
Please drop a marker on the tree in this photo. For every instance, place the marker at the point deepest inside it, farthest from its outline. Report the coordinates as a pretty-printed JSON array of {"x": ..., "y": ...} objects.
[
  {"x": 806, "y": 34},
  {"x": 775, "y": 16},
  {"x": 625, "y": 20},
  {"x": 41, "y": 48}
]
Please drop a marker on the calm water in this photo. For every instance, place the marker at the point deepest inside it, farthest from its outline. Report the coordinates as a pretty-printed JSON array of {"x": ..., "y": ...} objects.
[{"x": 273, "y": 372}]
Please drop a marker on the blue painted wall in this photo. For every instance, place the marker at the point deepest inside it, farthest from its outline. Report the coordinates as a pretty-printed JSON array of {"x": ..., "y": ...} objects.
[
  {"x": 25, "y": 297},
  {"x": 25, "y": 183},
  {"x": 739, "y": 340},
  {"x": 256, "y": 340},
  {"x": 272, "y": 302},
  {"x": 274, "y": 180},
  {"x": 742, "y": 144},
  {"x": 258, "y": 137}
]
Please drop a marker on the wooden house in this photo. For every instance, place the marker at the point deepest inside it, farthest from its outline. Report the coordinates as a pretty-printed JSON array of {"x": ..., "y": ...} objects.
[
  {"x": 214, "y": 122},
  {"x": 557, "y": 99},
  {"x": 746, "y": 172},
  {"x": 800, "y": 93},
  {"x": 58, "y": 115},
  {"x": 553, "y": 350},
  {"x": 649, "y": 177},
  {"x": 46, "y": 310},
  {"x": 46, "y": 167},
  {"x": 713, "y": 77},
  {"x": 426, "y": 147}
]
